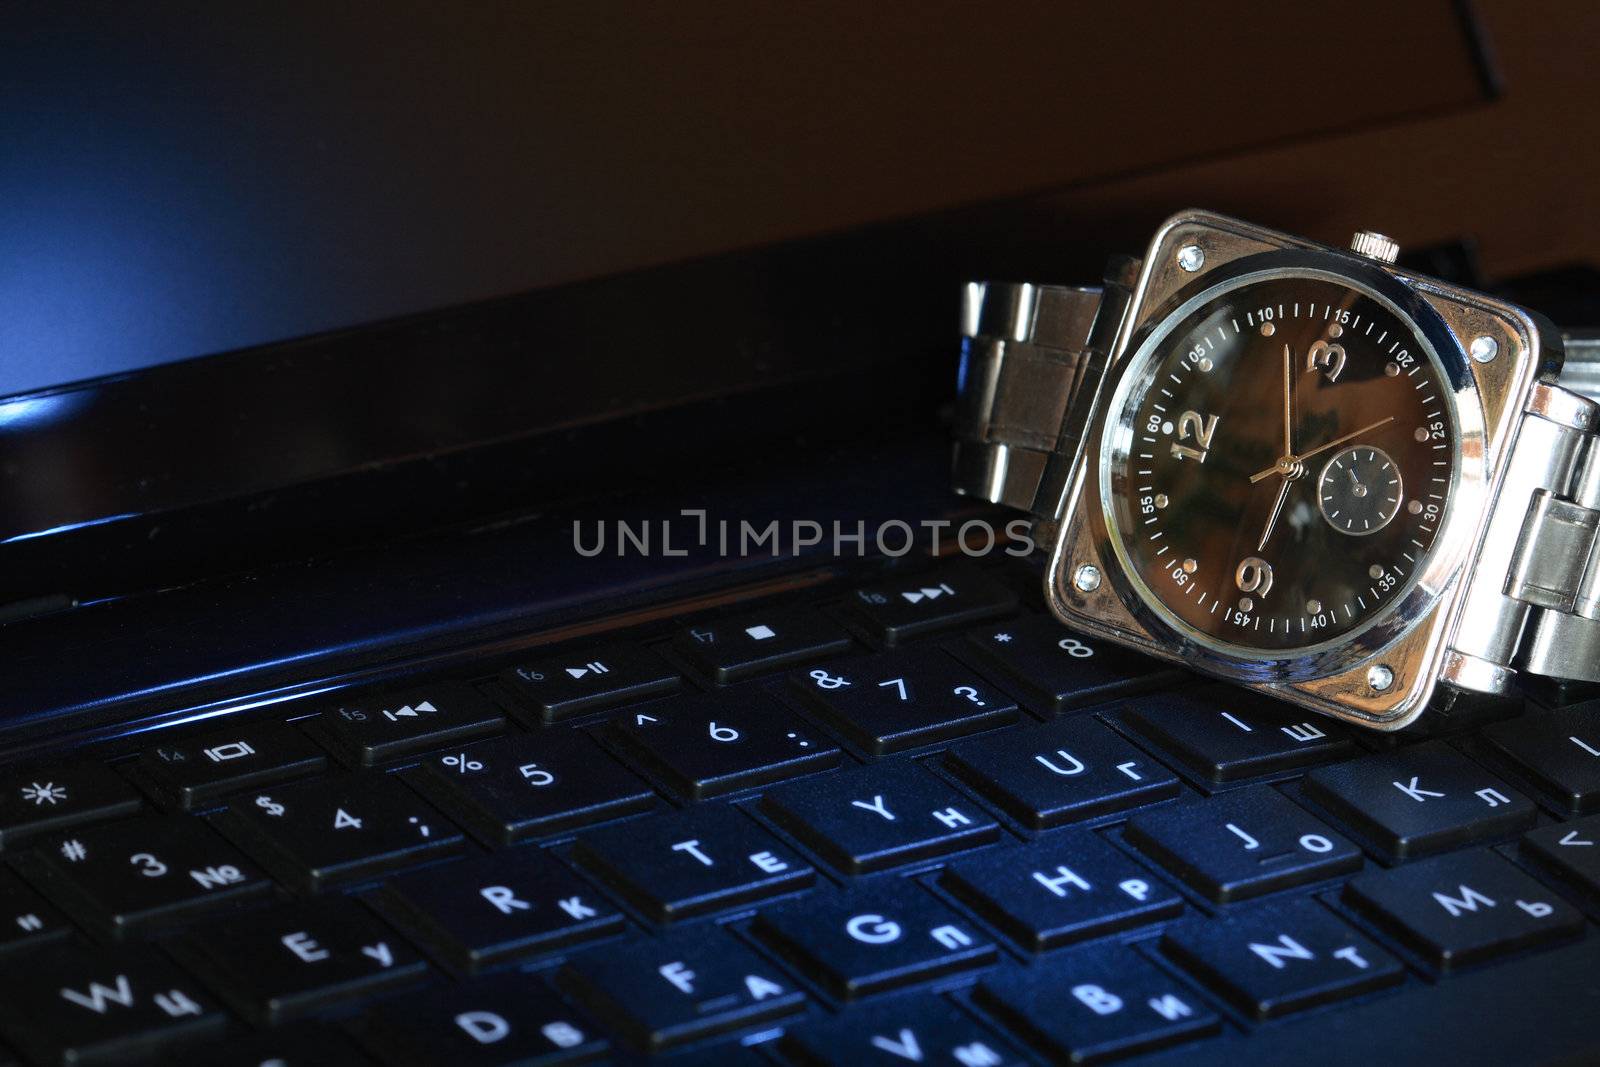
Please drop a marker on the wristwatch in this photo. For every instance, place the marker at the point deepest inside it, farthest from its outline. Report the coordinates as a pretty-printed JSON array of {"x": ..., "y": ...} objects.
[{"x": 1296, "y": 467}]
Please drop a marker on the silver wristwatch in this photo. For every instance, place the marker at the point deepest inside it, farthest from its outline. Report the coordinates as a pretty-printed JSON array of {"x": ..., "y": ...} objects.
[{"x": 1296, "y": 467}]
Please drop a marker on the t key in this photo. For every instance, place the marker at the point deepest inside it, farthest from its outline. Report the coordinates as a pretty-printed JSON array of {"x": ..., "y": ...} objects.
[
  {"x": 314, "y": 834},
  {"x": 1227, "y": 735},
  {"x": 708, "y": 745},
  {"x": 130, "y": 875},
  {"x": 1242, "y": 844},
  {"x": 894, "y": 702},
  {"x": 873, "y": 818},
  {"x": 692, "y": 862},
  {"x": 1419, "y": 800}
]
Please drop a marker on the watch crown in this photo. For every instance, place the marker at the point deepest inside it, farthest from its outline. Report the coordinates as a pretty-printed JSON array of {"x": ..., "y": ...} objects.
[{"x": 1374, "y": 246}]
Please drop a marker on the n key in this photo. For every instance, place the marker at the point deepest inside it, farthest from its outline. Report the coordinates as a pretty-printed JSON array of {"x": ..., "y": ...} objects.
[
  {"x": 1226, "y": 735},
  {"x": 314, "y": 834},
  {"x": 73, "y": 1004},
  {"x": 1419, "y": 800}
]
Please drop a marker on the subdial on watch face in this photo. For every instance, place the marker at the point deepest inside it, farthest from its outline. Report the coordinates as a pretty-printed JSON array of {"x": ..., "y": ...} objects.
[{"x": 1360, "y": 490}]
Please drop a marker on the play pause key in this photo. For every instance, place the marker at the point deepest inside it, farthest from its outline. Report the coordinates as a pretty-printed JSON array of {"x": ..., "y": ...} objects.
[{"x": 559, "y": 687}]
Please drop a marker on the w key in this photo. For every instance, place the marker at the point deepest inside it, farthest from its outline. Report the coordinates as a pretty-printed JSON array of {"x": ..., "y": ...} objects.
[{"x": 898, "y": 701}]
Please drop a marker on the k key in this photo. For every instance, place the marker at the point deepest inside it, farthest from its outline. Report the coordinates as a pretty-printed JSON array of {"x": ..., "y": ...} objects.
[
  {"x": 314, "y": 834},
  {"x": 134, "y": 874},
  {"x": 901, "y": 700},
  {"x": 73, "y": 1004},
  {"x": 283, "y": 964},
  {"x": 195, "y": 774},
  {"x": 389, "y": 727}
]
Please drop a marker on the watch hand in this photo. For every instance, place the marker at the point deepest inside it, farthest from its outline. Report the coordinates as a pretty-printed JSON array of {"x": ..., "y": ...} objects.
[
  {"x": 1353, "y": 479},
  {"x": 1288, "y": 401},
  {"x": 1277, "y": 508},
  {"x": 1276, "y": 469}
]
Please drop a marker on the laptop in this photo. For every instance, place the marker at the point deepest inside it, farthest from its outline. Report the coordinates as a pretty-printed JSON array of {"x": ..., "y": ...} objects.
[{"x": 592, "y": 664}]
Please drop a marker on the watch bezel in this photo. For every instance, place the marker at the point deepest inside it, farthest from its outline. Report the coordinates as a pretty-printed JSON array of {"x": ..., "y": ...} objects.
[{"x": 1114, "y": 421}]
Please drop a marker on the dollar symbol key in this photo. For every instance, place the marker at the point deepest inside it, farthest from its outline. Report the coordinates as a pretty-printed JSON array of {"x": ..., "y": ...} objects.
[{"x": 268, "y": 805}]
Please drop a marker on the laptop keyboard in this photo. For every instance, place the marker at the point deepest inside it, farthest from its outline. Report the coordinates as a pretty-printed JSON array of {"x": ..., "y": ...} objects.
[{"x": 910, "y": 820}]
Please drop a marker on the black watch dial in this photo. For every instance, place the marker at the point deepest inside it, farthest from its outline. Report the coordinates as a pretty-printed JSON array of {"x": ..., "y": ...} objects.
[{"x": 1280, "y": 463}]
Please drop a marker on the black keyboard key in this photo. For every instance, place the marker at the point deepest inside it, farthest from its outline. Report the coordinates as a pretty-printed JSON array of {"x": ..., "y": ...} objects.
[
  {"x": 136, "y": 874},
  {"x": 315, "y": 834},
  {"x": 1282, "y": 958},
  {"x": 898, "y": 609},
  {"x": 1060, "y": 889},
  {"x": 1059, "y": 670},
  {"x": 72, "y": 1004},
  {"x": 1062, "y": 772},
  {"x": 186, "y": 775},
  {"x": 692, "y": 862},
  {"x": 901, "y": 700},
  {"x": 873, "y": 818},
  {"x": 26, "y": 918},
  {"x": 916, "y": 1030},
  {"x": 1242, "y": 844},
  {"x": 1559, "y": 749},
  {"x": 730, "y": 650},
  {"x": 1463, "y": 908},
  {"x": 691, "y": 983},
  {"x": 489, "y": 909},
  {"x": 299, "y": 1045},
  {"x": 560, "y": 687},
  {"x": 1419, "y": 800},
  {"x": 393, "y": 725},
  {"x": 878, "y": 938},
  {"x": 58, "y": 797},
  {"x": 287, "y": 963},
  {"x": 1227, "y": 735},
  {"x": 504, "y": 1020},
  {"x": 523, "y": 786},
  {"x": 1571, "y": 849},
  {"x": 1095, "y": 1004},
  {"x": 708, "y": 745}
]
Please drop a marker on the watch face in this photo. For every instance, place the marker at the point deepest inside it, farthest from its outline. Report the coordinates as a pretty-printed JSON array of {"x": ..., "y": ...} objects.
[{"x": 1278, "y": 462}]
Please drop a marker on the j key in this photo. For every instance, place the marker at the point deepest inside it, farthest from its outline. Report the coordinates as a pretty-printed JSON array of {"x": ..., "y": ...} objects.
[
  {"x": 1559, "y": 749},
  {"x": 901, "y": 608},
  {"x": 530, "y": 785},
  {"x": 1095, "y": 1004},
  {"x": 1060, "y": 889},
  {"x": 1059, "y": 670},
  {"x": 1419, "y": 800},
  {"x": 26, "y": 918},
  {"x": 873, "y": 818},
  {"x": 72, "y": 1004},
  {"x": 1572, "y": 848},
  {"x": 283, "y": 964},
  {"x": 1224, "y": 735},
  {"x": 194, "y": 774},
  {"x": 393, "y": 725},
  {"x": 894, "y": 702},
  {"x": 1242, "y": 844},
  {"x": 692, "y": 862},
  {"x": 136, "y": 874},
  {"x": 890, "y": 935},
  {"x": 493, "y": 908},
  {"x": 921, "y": 1030},
  {"x": 314, "y": 834},
  {"x": 55, "y": 798},
  {"x": 300, "y": 1045},
  {"x": 1463, "y": 908},
  {"x": 1282, "y": 958},
  {"x": 734, "y": 649},
  {"x": 690, "y": 983},
  {"x": 561, "y": 687},
  {"x": 1062, "y": 772},
  {"x": 510, "y": 1019},
  {"x": 706, "y": 746}
]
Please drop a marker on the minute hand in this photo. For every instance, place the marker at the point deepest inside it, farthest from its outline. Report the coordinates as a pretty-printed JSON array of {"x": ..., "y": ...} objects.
[{"x": 1336, "y": 442}]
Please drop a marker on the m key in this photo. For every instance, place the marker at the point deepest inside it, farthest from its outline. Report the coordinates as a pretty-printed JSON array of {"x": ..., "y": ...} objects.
[
  {"x": 1419, "y": 800},
  {"x": 1282, "y": 958},
  {"x": 1242, "y": 844},
  {"x": 1463, "y": 908}
]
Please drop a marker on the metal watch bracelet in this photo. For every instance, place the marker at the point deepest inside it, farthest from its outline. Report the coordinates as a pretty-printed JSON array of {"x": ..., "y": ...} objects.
[{"x": 1534, "y": 590}]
